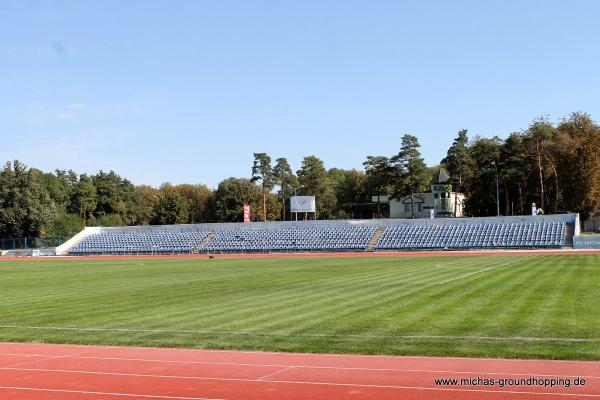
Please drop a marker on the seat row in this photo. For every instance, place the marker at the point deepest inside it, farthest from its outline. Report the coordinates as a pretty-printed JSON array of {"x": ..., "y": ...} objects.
[
  {"x": 140, "y": 243},
  {"x": 515, "y": 235},
  {"x": 334, "y": 239},
  {"x": 399, "y": 237}
]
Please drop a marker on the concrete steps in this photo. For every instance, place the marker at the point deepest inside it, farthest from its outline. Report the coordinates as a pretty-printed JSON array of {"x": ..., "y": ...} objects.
[
  {"x": 375, "y": 238},
  {"x": 200, "y": 246},
  {"x": 64, "y": 248}
]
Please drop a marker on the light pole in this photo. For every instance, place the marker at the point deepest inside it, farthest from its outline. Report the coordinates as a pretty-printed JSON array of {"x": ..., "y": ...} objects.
[
  {"x": 295, "y": 194},
  {"x": 497, "y": 190}
]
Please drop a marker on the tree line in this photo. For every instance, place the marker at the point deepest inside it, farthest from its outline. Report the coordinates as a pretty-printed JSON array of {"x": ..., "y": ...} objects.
[{"x": 557, "y": 166}]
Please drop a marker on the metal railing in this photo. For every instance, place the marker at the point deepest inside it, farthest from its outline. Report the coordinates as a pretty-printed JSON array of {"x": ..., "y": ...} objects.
[{"x": 31, "y": 242}]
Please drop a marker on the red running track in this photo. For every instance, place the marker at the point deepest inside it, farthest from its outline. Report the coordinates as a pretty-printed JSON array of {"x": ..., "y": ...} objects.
[{"x": 68, "y": 372}]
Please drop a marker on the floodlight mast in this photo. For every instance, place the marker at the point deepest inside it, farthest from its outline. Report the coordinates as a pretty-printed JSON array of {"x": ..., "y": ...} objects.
[{"x": 497, "y": 190}]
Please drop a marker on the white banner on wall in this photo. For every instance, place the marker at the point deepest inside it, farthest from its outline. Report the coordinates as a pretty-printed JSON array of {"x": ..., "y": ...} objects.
[{"x": 302, "y": 204}]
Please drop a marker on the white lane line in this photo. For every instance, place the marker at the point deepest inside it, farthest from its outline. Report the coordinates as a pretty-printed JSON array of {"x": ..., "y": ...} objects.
[
  {"x": 43, "y": 357},
  {"x": 317, "y": 335},
  {"x": 262, "y": 378},
  {"x": 284, "y": 354},
  {"x": 104, "y": 393},
  {"x": 483, "y": 270},
  {"x": 362, "y": 385},
  {"x": 299, "y": 366}
]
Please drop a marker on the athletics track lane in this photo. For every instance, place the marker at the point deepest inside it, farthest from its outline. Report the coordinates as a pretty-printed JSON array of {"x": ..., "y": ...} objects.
[{"x": 43, "y": 372}]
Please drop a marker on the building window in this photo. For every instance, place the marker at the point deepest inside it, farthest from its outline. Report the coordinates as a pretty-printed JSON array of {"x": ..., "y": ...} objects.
[
  {"x": 406, "y": 208},
  {"x": 419, "y": 207}
]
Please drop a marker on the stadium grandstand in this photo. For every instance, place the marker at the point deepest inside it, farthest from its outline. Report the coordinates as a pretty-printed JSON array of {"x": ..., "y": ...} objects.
[{"x": 526, "y": 232}]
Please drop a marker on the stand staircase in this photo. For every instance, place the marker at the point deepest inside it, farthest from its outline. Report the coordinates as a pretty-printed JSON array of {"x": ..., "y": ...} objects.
[
  {"x": 374, "y": 239},
  {"x": 200, "y": 246}
]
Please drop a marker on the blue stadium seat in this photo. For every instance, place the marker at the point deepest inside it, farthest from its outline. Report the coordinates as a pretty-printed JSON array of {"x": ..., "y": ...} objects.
[
  {"x": 140, "y": 242},
  {"x": 310, "y": 239},
  {"x": 479, "y": 235}
]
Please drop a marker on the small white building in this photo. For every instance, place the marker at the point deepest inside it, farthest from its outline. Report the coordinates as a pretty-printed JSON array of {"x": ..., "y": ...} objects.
[
  {"x": 439, "y": 202},
  {"x": 592, "y": 224}
]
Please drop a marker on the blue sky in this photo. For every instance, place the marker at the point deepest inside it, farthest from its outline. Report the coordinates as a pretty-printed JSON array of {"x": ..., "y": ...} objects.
[{"x": 186, "y": 91}]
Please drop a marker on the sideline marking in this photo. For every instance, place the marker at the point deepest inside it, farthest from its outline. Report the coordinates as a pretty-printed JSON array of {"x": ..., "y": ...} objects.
[
  {"x": 321, "y": 335},
  {"x": 100, "y": 347},
  {"x": 483, "y": 270}
]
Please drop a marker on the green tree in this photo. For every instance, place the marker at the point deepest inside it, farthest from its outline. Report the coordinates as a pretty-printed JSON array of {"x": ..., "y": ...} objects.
[
  {"x": 68, "y": 180},
  {"x": 380, "y": 175},
  {"x": 65, "y": 224},
  {"x": 350, "y": 192},
  {"x": 26, "y": 208},
  {"x": 282, "y": 173},
  {"x": 413, "y": 174},
  {"x": 115, "y": 195},
  {"x": 273, "y": 208},
  {"x": 110, "y": 220},
  {"x": 58, "y": 189},
  {"x": 107, "y": 198},
  {"x": 171, "y": 207},
  {"x": 231, "y": 195},
  {"x": 482, "y": 187},
  {"x": 537, "y": 141},
  {"x": 513, "y": 172},
  {"x": 577, "y": 146},
  {"x": 83, "y": 198},
  {"x": 263, "y": 172},
  {"x": 314, "y": 180},
  {"x": 459, "y": 165},
  {"x": 146, "y": 202},
  {"x": 197, "y": 198}
]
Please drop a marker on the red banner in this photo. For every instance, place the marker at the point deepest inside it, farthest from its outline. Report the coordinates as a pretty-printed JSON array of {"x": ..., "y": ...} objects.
[{"x": 246, "y": 212}]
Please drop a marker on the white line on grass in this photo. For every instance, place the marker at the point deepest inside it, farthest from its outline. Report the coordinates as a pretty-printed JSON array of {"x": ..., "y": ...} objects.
[
  {"x": 98, "y": 347},
  {"x": 461, "y": 263},
  {"x": 317, "y": 335},
  {"x": 480, "y": 271}
]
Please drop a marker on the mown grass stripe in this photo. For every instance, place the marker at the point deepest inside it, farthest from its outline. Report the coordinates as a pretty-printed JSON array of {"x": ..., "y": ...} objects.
[
  {"x": 291, "y": 334},
  {"x": 542, "y": 306}
]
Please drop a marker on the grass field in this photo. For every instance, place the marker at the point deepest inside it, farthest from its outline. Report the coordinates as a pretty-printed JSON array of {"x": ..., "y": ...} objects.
[{"x": 529, "y": 306}]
